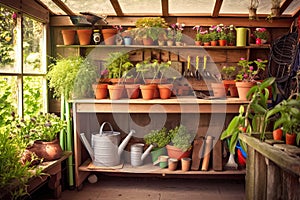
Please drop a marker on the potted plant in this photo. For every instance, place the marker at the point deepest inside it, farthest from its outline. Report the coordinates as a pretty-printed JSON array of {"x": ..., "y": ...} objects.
[
  {"x": 228, "y": 79},
  {"x": 177, "y": 33},
  {"x": 253, "y": 119},
  {"x": 162, "y": 37},
  {"x": 149, "y": 28},
  {"x": 213, "y": 35},
  {"x": 287, "y": 113},
  {"x": 206, "y": 39},
  {"x": 109, "y": 35},
  {"x": 170, "y": 36},
  {"x": 158, "y": 138},
  {"x": 199, "y": 35},
  {"x": 252, "y": 9},
  {"x": 261, "y": 35},
  {"x": 247, "y": 74},
  {"x": 231, "y": 36},
  {"x": 63, "y": 76},
  {"x": 165, "y": 89},
  {"x": 181, "y": 140},
  {"x": 118, "y": 64},
  {"x": 222, "y": 34},
  {"x": 100, "y": 87}
]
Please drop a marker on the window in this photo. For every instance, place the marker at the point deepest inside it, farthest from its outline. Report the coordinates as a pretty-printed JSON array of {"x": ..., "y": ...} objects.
[{"x": 23, "y": 63}]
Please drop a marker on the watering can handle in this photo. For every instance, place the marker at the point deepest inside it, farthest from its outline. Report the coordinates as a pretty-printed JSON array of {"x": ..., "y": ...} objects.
[{"x": 102, "y": 126}]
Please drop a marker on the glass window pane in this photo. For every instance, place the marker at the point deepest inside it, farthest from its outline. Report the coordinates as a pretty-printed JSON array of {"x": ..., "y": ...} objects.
[
  {"x": 191, "y": 6},
  {"x": 32, "y": 46},
  {"x": 8, "y": 44},
  {"x": 96, "y": 6},
  {"x": 33, "y": 95},
  {"x": 141, "y": 6},
  {"x": 8, "y": 97}
]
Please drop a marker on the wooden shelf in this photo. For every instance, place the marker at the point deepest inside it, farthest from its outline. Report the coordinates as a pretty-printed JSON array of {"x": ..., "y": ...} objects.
[
  {"x": 252, "y": 46},
  {"x": 148, "y": 168}
]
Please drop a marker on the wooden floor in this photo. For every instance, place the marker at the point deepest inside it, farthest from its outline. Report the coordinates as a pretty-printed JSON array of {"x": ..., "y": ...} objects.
[{"x": 151, "y": 188}]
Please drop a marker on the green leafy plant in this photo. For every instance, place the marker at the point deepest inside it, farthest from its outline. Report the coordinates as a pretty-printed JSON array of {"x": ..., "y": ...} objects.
[
  {"x": 247, "y": 71},
  {"x": 206, "y": 38},
  {"x": 150, "y": 27},
  {"x": 158, "y": 138},
  {"x": 254, "y": 118},
  {"x": 118, "y": 64},
  {"x": 62, "y": 75},
  {"x": 228, "y": 73},
  {"x": 181, "y": 137}
]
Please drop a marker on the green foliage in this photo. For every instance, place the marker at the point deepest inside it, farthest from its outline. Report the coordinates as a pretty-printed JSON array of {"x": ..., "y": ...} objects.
[
  {"x": 254, "y": 119},
  {"x": 6, "y": 106},
  {"x": 158, "y": 138},
  {"x": 118, "y": 64},
  {"x": 13, "y": 174},
  {"x": 213, "y": 36},
  {"x": 206, "y": 38},
  {"x": 228, "y": 73},
  {"x": 198, "y": 37},
  {"x": 181, "y": 137},
  {"x": 32, "y": 94},
  {"x": 150, "y": 27},
  {"x": 62, "y": 75}
]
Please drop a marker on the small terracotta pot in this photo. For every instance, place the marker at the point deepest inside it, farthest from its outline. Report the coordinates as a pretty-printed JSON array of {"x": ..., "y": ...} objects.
[
  {"x": 115, "y": 91},
  {"x": 133, "y": 91},
  {"x": 84, "y": 36},
  {"x": 68, "y": 36},
  {"x": 214, "y": 43},
  {"x": 277, "y": 134},
  {"x": 147, "y": 41},
  {"x": 198, "y": 43},
  {"x": 243, "y": 88},
  {"x": 174, "y": 152},
  {"x": 100, "y": 91},
  {"x": 172, "y": 164},
  {"x": 148, "y": 91},
  {"x": 222, "y": 42},
  {"x": 206, "y": 44},
  {"x": 219, "y": 90},
  {"x": 185, "y": 164},
  {"x": 230, "y": 85},
  {"x": 165, "y": 90},
  {"x": 109, "y": 36},
  {"x": 290, "y": 138}
]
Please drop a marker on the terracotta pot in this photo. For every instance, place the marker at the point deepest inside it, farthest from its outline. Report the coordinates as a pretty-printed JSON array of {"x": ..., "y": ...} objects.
[
  {"x": 222, "y": 42},
  {"x": 185, "y": 164},
  {"x": 165, "y": 90},
  {"x": 155, "y": 82},
  {"x": 230, "y": 85},
  {"x": 68, "y": 36},
  {"x": 219, "y": 90},
  {"x": 243, "y": 88},
  {"x": 170, "y": 43},
  {"x": 133, "y": 91},
  {"x": 172, "y": 164},
  {"x": 47, "y": 150},
  {"x": 84, "y": 36},
  {"x": 100, "y": 90},
  {"x": 198, "y": 43},
  {"x": 277, "y": 134},
  {"x": 148, "y": 91},
  {"x": 290, "y": 138},
  {"x": 115, "y": 91},
  {"x": 174, "y": 152},
  {"x": 206, "y": 44},
  {"x": 109, "y": 36},
  {"x": 147, "y": 41},
  {"x": 214, "y": 43}
]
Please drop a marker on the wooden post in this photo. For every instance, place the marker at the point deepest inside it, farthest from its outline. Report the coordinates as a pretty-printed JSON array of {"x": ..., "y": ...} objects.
[
  {"x": 260, "y": 179},
  {"x": 250, "y": 173},
  {"x": 217, "y": 156},
  {"x": 197, "y": 153},
  {"x": 274, "y": 182}
]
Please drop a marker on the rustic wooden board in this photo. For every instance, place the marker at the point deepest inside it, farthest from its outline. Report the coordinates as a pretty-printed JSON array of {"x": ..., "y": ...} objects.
[
  {"x": 217, "y": 156},
  {"x": 197, "y": 153}
]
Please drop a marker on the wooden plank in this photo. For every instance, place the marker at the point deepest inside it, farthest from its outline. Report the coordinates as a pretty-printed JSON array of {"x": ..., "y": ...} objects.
[
  {"x": 274, "y": 182},
  {"x": 164, "y": 55},
  {"x": 281, "y": 158},
  {"x": 260, "y": 181},
  {"x": 136, "y": 56},
  {"x": 250, "y": 173},
  {"x": 117, "y": 7},
  {"x": 197, "y": 153},
  {"x": 233, "y": 56},
  {"x": 173, "y": 56},
  {"x": 165, "y": 8},
  {"x": 217, "y": 8},
  {"x": 217, "y": 156},
  {"x": 147, "y": 54}
]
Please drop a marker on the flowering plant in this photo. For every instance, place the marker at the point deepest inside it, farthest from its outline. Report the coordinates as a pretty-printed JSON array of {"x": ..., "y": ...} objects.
[
  {"x": 118, "y": 27},
  {"x": 230, "y": 34},
  {"x": 213, "y": 33},
  {"x": 177, "y": 31},
  {"x": 247, "y": 72},
  {"x": 222, "y": 31},
  {"x": 261, "y": 33},
  {"x": 199, "y": 33}
]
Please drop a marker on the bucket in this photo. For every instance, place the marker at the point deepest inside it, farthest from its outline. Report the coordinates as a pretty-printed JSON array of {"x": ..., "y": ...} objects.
[
  {"x": 241, "y": 36},
  {"x": 105, "y": 145},
  {"x": 136, "y": 154}
]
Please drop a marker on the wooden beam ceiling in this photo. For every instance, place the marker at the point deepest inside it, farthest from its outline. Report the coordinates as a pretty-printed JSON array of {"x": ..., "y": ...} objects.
[
  {"x": 284, "y": 6},
  {"x": 217, "y": 8},
  {"x": 117, "y": 7},
  {"x": 165, "y": 8},
  {"x": 64, "y": 7}
]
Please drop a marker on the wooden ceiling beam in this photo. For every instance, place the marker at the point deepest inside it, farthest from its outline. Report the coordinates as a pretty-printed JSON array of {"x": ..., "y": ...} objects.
[
  {"x": 217, "y": 8},
  {"x": 117, "y": 7},
  {"x": 64, "y": 7},
  {"x": 284, "y": 5},
  {"x": 165, "y": 8}
]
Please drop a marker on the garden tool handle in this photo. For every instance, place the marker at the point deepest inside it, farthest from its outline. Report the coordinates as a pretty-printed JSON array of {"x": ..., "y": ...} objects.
[
  {"x": 188, "y": 62},
  {"x": 204, "y": 62},
  {"x": 197, "y": 62}
]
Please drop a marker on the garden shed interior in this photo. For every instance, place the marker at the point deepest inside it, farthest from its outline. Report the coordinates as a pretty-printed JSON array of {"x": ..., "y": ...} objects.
[{"x": 198, "y": 51}]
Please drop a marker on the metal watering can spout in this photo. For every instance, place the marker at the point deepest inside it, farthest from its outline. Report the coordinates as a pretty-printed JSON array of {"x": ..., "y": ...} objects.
[
  {"x": 146, "y": 153},
  {"x": 125, "y": 142},
  {"x": 87, "y": 145}
]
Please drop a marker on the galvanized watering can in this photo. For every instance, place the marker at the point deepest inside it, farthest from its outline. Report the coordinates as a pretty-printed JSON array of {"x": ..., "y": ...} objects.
[
  {"x": 105, "y": 149},
  {"x": 137, "y": 155}
]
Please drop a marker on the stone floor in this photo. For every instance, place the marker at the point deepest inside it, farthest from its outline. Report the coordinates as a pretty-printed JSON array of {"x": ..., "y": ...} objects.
[{"x": 137, "y": 188}]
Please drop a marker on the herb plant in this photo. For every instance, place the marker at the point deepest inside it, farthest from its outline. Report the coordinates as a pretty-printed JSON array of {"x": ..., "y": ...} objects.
[
  {"x": 158, "y": 138},
  {"x": 181, "y": 137}
]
